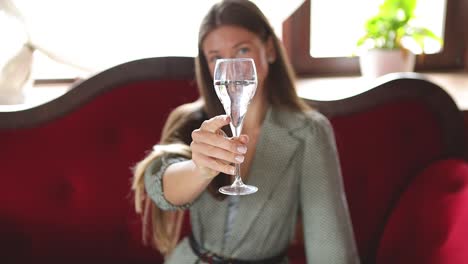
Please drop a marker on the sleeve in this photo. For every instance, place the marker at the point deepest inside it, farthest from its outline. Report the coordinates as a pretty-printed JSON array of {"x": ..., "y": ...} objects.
[
  {"x": 153, "y": 181},
  {"x": 327, "y": 225}
]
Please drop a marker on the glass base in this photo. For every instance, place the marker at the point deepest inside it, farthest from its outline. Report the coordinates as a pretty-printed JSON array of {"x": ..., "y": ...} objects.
[{"x": 238, "y": 190}]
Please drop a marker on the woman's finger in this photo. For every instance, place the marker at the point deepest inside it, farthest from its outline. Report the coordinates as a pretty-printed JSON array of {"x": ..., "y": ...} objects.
[
  {"x": 215, "y": 123},
  {"x": 231, "y": 145},
  {"x": 244, "y": 139},
  {"x": 205, "y": 162},
  {"x": 217, "y": 153}
]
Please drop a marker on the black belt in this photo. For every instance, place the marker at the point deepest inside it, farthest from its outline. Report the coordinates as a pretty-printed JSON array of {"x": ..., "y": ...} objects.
[{"x": 212, "y": 258}]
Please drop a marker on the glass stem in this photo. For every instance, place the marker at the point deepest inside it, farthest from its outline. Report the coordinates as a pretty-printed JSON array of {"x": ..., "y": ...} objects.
[{"x": 237, "y": 179}]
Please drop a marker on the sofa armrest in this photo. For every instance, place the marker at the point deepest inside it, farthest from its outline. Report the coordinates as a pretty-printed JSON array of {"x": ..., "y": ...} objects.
[{"x": 429, "y": 223}]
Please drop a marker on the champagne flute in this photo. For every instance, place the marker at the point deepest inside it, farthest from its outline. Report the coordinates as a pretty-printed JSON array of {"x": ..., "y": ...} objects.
[{"x": 235, "y": 82}]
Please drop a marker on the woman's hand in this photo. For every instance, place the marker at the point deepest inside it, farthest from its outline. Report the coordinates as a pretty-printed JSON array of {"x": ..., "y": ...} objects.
[{"x": 212, "y": 152}]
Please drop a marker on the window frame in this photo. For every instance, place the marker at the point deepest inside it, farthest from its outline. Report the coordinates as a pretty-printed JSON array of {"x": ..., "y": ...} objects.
[{"x": 296, "y": 38}]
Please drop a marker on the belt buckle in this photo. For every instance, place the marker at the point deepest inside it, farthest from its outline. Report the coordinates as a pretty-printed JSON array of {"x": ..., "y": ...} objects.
[{"x": 217, "y": 259}]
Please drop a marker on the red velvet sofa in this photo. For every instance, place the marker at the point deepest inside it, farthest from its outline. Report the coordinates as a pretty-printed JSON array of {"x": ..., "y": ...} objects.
[{"x": 65, "y": 168}]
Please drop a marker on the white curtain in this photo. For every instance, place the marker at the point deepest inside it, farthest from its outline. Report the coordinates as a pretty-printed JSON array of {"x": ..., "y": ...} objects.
[
  {"x": 17, "y": 54},
  {"x": 16, "y": 57}
]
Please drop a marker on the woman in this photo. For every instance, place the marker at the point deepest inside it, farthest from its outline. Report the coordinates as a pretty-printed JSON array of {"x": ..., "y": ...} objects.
[{"x": 286, "y": 149}]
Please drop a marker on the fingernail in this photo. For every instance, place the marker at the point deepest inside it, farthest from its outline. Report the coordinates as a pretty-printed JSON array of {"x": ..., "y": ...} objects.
[
  {"x": 245, "y": 139},
  {"x": 232, "y": 171},
  {"x": 239, "y": 158},
  {"x": 242, "y": 149}
]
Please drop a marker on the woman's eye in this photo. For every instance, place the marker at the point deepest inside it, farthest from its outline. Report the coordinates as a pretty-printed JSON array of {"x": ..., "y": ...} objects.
[
  {"x": 214, "y": 58},
  {"x": 244, "y": 50}
]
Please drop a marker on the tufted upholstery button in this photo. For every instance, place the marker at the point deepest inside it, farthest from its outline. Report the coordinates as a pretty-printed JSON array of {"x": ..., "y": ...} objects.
[
  {"x": 109, "y": 136},
  {"x": 60, "y": 190}
]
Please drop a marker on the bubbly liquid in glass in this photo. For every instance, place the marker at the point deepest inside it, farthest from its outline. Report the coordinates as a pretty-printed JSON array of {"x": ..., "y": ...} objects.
[{"x": 235, "y": 97}]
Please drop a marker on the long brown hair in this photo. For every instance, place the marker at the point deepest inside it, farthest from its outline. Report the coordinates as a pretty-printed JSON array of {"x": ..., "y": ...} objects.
[
  {"x": 280, "y": 89},
  {"x": 161, "y": 229}
]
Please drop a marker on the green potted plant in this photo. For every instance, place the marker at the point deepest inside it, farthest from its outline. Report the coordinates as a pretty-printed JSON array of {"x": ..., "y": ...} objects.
[{"x": 384, "y": 38}]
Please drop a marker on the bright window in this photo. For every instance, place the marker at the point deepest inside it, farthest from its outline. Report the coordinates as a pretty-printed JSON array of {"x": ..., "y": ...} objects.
[{"x": 95, "y": 35}]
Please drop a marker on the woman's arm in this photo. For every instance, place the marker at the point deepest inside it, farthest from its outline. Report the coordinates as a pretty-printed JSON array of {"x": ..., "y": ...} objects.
[
  {"x": 183, "y": 181},
  {"x": 327, "y": 225},
  {"x": 153, "y": 179}
]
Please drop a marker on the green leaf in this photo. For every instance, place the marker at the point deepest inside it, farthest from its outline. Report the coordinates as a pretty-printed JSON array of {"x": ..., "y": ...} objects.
[
  {"x": 393, "y": 22},
  {"x": 408, "y": 7},
  {"x": 426, "y": 33},
  {"x": 362, "y": 40}
]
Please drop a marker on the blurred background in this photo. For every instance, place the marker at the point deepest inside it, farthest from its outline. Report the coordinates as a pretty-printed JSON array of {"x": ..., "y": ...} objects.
[{"x": 73, "y": 40}]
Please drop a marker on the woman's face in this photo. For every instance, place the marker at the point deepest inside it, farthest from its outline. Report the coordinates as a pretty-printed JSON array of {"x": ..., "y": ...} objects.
[{"x": 237, "y": 42}]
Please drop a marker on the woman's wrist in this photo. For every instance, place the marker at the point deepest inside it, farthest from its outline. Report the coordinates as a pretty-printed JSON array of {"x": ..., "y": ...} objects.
[{"x": 203, "y": 172}]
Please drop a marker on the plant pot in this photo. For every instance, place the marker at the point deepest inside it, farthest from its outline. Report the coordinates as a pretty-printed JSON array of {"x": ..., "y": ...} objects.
[{"x": 378, "y": 62}]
